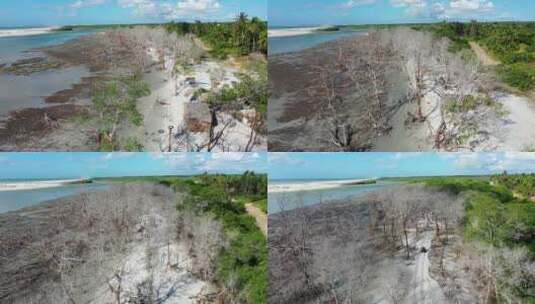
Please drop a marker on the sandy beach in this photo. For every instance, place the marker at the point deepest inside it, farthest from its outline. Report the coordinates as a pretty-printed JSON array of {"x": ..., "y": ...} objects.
[
  {"x": 30, "y": 185},
  {"x": 316, "y": 185},
  {"x": 297, "y": 31},
  {"x": 25, "y": 31}
]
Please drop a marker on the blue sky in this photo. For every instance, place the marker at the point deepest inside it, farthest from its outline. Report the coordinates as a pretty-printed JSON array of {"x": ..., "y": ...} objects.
[
  {"x": 76, "y": 165},
  {"x": 358, "y": 165},
  {"x": 62, "y": 12},
  {"x": 324, "y": 12}
]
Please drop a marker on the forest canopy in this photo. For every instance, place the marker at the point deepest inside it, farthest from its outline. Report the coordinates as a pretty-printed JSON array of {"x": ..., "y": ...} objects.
[
  {"x": 241, "y": 37},
  {"x": 513, "y": 43}
]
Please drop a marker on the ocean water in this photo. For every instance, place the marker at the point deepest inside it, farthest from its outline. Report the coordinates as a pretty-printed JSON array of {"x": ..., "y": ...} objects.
[
  {"x": 21, "y": 47},
  {"x": 279, "y": 45},
  {"x": 279, "y": 201},
  {"x": 14, "y": 200},
  {"x": 19, "y": 92}
]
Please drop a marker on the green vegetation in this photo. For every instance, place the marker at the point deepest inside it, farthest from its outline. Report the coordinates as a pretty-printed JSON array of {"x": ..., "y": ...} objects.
[
  {"x": 522, "y": 185},
  {"x": 505, "y": 223},
  {"x": 513, "y": 43},
  {"x": 242, "y": 266},
  {"x": 116, "y": 105},
  {"x": 494, "y": 214},
  {"x": 329, "y": 29},
  {"x": 133, "y": 145},
  {"x": 262, "y": 204},
  {"x": 251, "y": 90},
  {"x": 241, "y": 37}
]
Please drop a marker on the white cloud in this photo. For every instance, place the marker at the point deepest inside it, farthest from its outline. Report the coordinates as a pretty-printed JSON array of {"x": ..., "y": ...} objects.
[
  {"x": 283, "y": 158},
  {"x": 409, "y": 3},
  {"x": 471, "y": 5},
  {"x": 354, "y": 3},
  {"x": 231, "y": 162},
  {"x": 412, "y": 7},
  {"x": 86, "y": 3},
  {"x": 493, "y": 162},
  {"x": 169, "y": 10},
  {"x": 198, "y": 5},
  {"x": 463, "y": 9},
  {"x": 446, "y": 9}
]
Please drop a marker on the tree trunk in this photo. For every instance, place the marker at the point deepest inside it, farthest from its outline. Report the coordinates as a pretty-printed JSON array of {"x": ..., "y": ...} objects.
[{"x": 406, "y": 239}]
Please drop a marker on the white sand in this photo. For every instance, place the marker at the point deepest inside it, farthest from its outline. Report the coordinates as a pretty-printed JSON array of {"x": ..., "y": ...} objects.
[
  {"x": 16, "y": 186},
  {"x": 424, "y": 289},
  {"x": 518, "y": 128},
  {"x": 308, "y": 186},
  {"x": 166, "y": 107},
  {"x": 172, "y": 283},
  {"x": 25, "y": 32},
  {"x": 296, "y": 31}
]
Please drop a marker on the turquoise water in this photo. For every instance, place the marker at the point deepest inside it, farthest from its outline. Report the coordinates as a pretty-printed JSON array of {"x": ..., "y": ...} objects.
[
  {"x": 279, "y": 45},
  {"x": 19, "y": 92},
  {"x": 14, "y": 200},
  {"x": 290, "y": 200}
]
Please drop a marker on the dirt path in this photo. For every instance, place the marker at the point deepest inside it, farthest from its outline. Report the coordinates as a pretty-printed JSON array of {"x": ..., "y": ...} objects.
[
  {"x": 424, "y": 288},
  {"x": 482, "y": 55},
  {"x": 167, "y": 103},
  {"x": 260, "y": 217}
]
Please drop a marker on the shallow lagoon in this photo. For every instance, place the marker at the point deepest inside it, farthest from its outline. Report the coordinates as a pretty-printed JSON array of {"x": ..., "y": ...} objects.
[
  {"x": 14, "y": 200},
  {"x": 291, "y": 200},
  {"x": 279, "y": 45},
  {"x": 20, "y": 92}
]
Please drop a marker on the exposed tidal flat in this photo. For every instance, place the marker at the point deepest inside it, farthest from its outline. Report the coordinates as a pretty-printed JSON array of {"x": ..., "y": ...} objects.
[
  {"x": 287, "y": 40},
  {"x": 23, "y": 43}
]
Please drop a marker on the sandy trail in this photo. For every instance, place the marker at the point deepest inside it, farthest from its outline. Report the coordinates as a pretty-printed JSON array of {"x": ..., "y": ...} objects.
[
  {"x": 482, "y": 55},
  {"x": 165, "y": 106},
  {"x": 424, "y": 288},
  {"x": 519, "y": 126},
  {"x": 260, "y": 217}
]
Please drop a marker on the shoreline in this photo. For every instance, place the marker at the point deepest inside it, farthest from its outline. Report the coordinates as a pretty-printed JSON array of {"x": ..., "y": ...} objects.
[
  {"x": 318, "y": 185},
  {"x": 67, "y": 121},
  {"x": 34, "y": 185},
  {"x": 19, "y": 32},
  {"x": 295, "y": 31}
]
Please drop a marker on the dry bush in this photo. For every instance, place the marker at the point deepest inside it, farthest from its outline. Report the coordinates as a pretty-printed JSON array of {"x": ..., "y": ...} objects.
[
  {"x": 203, "y": 237},
  {"x": 81, "y": 241},
  {"x": 139, "y": 42},
  {"x": 330, "y": 253}
]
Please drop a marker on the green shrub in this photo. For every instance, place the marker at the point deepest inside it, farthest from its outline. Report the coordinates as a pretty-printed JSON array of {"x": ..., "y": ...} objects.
[
  {"x": 242, "y": 265},
  {"x": 133, "y": 145},
  {"x": 519, "y": 76}
]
